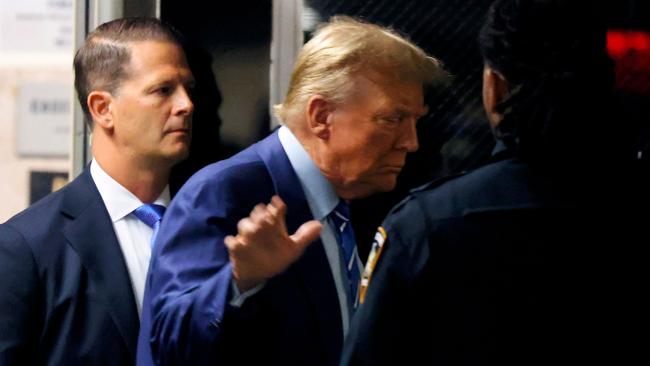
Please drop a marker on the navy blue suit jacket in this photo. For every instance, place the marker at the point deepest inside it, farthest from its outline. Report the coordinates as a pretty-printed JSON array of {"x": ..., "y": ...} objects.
[
  {"x": 294, "y": 320},
  {"x": 65, "y": 293}
]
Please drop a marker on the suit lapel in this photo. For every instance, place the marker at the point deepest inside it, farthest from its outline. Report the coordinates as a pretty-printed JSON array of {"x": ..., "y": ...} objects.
[
  {"x": 91, "y": 234},
  {"x": 313, "y": 267}
]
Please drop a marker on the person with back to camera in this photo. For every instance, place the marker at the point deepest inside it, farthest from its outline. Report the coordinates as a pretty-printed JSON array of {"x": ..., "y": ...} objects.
[
  {"x": 506, "y": 264},
  {"x": 228, "y": 284}
]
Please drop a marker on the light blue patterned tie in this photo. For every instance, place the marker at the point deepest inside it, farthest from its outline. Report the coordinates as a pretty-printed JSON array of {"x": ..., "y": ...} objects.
[
  {"x": 151, "y": 214},
  {"x": 341, "y": 218}
]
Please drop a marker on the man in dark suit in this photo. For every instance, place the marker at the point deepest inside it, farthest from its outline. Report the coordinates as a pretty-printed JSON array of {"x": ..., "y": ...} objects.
[
  {"x": 73, "y": 265},
  {"x": 228, "y": 284},
  {"x": 511, "y": 264}
]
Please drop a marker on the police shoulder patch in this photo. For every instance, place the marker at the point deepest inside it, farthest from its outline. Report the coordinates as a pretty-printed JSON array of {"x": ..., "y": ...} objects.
[{"x": 377, "y": 246}]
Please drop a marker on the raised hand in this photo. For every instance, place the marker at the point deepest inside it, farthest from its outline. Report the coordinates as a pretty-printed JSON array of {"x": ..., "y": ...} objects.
[{"x": 263, "y": 248}]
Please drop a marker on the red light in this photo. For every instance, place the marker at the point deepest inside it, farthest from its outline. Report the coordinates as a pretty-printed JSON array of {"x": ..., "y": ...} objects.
[
  {"x": 639, "y": 41},
  {"x": 631, "y": 52},
  {"x": 620, "y": 42},
  {"x": 616, "y": 43}
]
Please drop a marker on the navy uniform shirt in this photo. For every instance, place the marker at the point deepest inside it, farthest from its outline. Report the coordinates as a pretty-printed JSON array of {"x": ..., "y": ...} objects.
[{"x": 493, "y": 267}]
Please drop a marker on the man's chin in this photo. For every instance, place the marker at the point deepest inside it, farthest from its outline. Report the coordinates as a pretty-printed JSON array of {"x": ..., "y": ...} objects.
[
  {"x": 387, "y": 183},
  {"x": 359, "y": 191},
  {"x": 179, "y": 154}
]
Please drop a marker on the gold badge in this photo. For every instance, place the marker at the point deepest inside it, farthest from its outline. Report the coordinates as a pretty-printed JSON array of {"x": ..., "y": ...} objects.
[{"x": 373, "y": 257}]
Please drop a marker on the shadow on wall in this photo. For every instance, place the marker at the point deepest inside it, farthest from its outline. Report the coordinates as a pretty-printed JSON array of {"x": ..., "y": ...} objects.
[
  {"x": 229, "y": 53},
  {"x": 206, "y": 142}
]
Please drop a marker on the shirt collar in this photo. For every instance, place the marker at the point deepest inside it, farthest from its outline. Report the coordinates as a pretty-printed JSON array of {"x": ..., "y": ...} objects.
[
  {"x": 501, "y": 152},
  {"x": 499, "y": 147},
  {"x": 118, "y": 200},
  {"x": 320, "y": 194}
]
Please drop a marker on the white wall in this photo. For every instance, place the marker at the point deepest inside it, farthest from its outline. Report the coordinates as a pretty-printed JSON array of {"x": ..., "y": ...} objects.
[{"x": 15, "y": 169}]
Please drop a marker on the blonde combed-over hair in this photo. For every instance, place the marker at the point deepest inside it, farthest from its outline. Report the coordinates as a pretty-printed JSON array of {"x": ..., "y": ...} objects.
[{"x": 345, "y": 47}]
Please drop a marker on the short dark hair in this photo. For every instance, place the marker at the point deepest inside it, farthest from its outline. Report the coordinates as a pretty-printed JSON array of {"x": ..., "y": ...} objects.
[
  {"x": 100, "y": 63},
  {"x": 553, "y": 55}
]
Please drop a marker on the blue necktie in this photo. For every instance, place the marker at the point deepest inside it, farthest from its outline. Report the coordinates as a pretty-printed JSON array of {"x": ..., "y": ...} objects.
[
  {"x": 151, "y": 214},
  {"x": 341, "y": 218}
]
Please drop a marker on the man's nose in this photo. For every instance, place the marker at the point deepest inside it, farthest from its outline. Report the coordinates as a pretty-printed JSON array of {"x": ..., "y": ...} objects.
[
  {"x": 409, "y": 138},
  {"x": 184, "y": 104}
]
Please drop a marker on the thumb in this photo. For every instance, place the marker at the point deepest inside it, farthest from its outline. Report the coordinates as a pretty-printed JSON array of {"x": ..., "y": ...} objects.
[{"x": 307, "y": 233}]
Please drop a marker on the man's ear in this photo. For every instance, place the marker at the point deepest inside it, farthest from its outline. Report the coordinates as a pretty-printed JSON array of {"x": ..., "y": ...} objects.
[
  {"x": 319, "y": 113},
  {"x": 495, "y": 89},
  {"x": 99, "y": 105}
]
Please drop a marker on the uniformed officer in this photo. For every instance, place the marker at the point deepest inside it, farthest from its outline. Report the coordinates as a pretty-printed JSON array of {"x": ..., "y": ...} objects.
[{"x": 498, "y": 266}]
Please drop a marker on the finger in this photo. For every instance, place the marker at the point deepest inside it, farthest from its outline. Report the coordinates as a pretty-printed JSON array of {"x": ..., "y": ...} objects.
[
  {"x": 231, "y": 242},
  {"x": 307, "y": 233},
  {"x": 246, "y": 227},
  {"x": 257, "y": 208},
  {"x": 258, "y": 214},
  {"x": 276, "y": 207}
]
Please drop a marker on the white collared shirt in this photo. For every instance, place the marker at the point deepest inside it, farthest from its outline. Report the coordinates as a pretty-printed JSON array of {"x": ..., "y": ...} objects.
[
  {"x": 322, "y": 199},
  {"x": 133, "y": 235}
]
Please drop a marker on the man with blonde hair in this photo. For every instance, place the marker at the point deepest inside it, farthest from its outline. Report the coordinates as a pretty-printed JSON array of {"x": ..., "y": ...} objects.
[{"x": 228, "y": 283}]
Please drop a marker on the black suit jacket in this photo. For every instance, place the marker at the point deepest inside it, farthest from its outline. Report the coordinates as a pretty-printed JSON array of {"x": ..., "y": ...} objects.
[{"x": 65, "y": 293}]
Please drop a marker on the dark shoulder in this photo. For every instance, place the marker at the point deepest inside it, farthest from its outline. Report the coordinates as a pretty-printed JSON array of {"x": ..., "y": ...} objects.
[
  {"x": 406, "y": 223},
  {"x": 412, "y": 212},
  {"x": 402, "y": 240},
  {"x": 502, "y": 185},
  {"x": 38, "y": 225},
  {"x": 41, "y": 212}
]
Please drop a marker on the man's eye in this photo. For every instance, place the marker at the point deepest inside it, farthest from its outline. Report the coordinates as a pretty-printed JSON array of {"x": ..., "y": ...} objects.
[{"x": 164, "y": 90}]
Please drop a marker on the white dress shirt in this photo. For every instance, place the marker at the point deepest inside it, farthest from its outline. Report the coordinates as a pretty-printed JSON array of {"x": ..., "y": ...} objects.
[{"x": 133, "y": 235}]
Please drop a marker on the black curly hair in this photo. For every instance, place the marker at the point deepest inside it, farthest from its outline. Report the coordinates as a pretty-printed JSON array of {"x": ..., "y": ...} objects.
[{"x": 553, "y": 55}]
